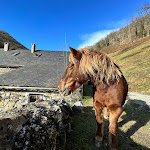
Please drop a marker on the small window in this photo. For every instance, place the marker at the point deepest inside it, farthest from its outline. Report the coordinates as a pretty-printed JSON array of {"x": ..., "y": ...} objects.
[{"x": 35, "y": 97}]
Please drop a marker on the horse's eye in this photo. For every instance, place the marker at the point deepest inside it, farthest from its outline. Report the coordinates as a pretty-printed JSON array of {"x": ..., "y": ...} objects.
[{"x": 70, "y": 66}]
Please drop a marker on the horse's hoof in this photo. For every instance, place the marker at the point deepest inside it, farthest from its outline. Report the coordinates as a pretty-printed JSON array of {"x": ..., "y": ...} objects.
[
  {"x": 113, "y": 148},
  {"x": 97, "y": 144},
  {"x": 98, "y": 141},
  {"x": 98, "y": 138}
]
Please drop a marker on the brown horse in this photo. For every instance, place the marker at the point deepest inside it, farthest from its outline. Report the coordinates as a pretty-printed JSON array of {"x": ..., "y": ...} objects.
[{"x": 109, "y": 83}]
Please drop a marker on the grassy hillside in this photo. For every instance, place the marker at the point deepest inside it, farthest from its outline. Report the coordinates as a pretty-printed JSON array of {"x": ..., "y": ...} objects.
[
  {"x": 135, "y": 64},
  {"x": 13, "y": 44}
]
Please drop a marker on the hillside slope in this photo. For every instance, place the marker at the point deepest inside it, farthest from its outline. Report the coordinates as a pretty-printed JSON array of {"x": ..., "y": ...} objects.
[
  {"x": 13, "y": 44},
  {"x": 138, "y": 28},
  {"x": 135, "y": 65}
]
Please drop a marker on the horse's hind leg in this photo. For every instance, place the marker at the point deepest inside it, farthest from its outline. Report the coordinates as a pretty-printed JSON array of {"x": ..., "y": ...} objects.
[
  {"x": 115, "y": 112},
  {"x": 99, "y": 118}
]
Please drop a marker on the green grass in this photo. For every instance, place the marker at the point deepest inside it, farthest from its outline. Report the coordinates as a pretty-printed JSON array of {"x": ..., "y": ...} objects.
[
  {"x": 135, "y": 65},
  {"x": 82, "y": 135}
]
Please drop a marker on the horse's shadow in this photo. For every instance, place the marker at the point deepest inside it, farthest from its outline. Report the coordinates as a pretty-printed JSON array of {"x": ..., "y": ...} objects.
[
  {"x": 125, "y": 141},
  {"x": 135, "y": 116}
]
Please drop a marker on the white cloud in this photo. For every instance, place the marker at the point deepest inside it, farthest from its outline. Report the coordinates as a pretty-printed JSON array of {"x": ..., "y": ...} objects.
[
  {"x": 118, "y": 24},
  {"x": 90, "y": 39}
]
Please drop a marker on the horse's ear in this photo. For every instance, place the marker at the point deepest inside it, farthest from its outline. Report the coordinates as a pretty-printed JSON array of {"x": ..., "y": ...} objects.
[{"x": 76, "y": 53}]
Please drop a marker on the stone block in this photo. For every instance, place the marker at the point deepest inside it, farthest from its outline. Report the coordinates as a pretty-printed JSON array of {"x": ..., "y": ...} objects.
[
  {"x": 9, "y": 106},
  {"x": 1, "y": 102},
  {"x": 7, "y": 94}
]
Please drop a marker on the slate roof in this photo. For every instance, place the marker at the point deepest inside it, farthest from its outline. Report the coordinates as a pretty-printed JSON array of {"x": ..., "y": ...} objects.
[{"x": 43, "y": 71}]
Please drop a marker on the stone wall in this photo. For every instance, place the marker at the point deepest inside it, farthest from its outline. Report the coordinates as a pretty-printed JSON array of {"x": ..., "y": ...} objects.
[
  {"x": 39, "y": 125},
  {"x": 10, "y": 100},
  {"x": 42, "y": 124},
  {"x": 16, "y": 99}
]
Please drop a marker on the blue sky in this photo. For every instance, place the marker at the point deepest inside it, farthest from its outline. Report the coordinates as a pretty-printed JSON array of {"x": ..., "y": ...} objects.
[{"x": 45, "y": 22}]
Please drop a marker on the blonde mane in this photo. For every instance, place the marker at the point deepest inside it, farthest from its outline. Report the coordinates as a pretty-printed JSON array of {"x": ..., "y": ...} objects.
[{"x": 99, "y": 65}]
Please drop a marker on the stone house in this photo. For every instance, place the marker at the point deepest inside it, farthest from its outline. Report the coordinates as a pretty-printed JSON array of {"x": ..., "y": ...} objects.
[{"x": 27, "y": 76}]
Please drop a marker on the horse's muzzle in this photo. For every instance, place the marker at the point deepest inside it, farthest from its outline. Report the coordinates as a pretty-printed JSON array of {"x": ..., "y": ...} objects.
[{"x": 65, "y": 91}]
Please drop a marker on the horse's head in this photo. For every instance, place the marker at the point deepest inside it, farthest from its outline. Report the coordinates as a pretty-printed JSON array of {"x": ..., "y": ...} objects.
[{"x": 72, "y": 78}]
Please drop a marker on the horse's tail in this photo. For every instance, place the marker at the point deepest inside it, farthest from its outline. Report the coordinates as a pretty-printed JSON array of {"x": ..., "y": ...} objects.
[{"x": 125, "y": 89}]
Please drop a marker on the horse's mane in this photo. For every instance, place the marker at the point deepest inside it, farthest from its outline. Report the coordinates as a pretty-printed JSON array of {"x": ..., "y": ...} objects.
[{"x": 99, "y": 65}]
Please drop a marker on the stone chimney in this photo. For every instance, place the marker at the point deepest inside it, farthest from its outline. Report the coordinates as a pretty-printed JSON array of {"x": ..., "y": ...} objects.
[
  {"x": 6, "y": 46},
  {"x": 33, "y": 48}
]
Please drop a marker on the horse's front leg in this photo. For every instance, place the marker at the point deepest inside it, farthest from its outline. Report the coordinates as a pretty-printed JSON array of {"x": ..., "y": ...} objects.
[
  {"x": 115, "y": 112},
  {"x": 99, "y": 118}
]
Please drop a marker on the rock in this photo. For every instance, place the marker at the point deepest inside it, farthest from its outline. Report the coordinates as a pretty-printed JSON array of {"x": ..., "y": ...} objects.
[
  {"x": 139, "y": 104},
  {"x": 39, "y": 125},
  {"x": 78, "y": 106},
  {"x": 139, "y": 97}
]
